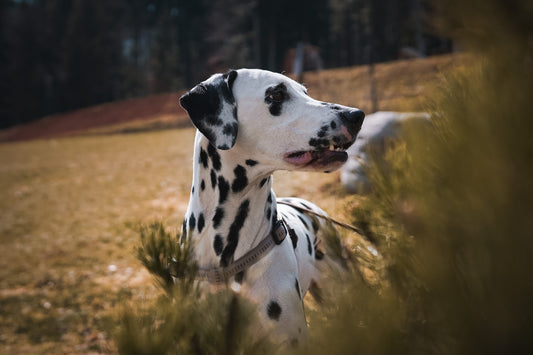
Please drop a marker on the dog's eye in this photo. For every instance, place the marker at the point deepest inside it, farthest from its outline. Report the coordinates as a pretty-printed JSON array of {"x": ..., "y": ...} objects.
[
  {"x": 276, "y": 93},
  {"x": 277, "y": 96}
]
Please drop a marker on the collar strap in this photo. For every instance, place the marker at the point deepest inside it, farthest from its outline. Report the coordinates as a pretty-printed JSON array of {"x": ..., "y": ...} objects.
[{"x": 220, "y": 275}]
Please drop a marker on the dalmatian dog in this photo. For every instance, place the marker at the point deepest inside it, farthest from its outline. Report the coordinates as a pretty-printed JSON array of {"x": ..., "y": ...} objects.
[{"x": 250, "y": 123}]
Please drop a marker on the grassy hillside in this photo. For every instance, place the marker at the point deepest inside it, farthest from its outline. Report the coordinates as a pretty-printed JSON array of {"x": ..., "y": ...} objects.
[
  {"x": 151, "y": 112},
  {"x": 400, "y": 86},
  {"x": 71, "y": 207},
  {"x": 69, "y": 210}
]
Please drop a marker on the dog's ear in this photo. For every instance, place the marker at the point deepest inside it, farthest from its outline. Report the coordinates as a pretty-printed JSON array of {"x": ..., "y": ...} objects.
[{"x": 213, "y": 110}]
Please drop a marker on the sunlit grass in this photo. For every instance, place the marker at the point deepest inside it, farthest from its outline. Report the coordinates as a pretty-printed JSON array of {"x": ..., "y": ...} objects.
[
  {"x": 70, "y": 193},
  {"x": 71, "y": 211}
]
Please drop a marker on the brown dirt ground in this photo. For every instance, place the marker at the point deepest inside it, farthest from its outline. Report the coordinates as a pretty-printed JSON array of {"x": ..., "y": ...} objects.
[{"x": 154, "y": 111}]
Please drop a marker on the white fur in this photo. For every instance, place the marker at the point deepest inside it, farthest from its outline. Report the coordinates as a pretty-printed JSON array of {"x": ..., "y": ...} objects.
[{"x": 266, "y": 139}]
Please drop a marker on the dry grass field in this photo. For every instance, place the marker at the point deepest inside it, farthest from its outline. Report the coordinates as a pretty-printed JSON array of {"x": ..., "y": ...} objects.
[
  {"x": 70, "y": 212},
  {"x": 71, "y": 207}
]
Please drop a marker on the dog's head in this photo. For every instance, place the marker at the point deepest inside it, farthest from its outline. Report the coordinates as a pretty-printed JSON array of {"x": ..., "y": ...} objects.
[{"x": 272, "y": 118}]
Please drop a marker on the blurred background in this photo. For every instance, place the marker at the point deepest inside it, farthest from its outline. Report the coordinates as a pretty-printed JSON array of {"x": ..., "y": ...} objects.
[
  {"x": 60, "y": 55},
  {"x": 447, "y": 215}
]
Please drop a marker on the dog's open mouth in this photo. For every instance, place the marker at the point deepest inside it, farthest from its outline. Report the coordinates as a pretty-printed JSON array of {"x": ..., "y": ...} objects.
[{"x": 333, "y": 155}]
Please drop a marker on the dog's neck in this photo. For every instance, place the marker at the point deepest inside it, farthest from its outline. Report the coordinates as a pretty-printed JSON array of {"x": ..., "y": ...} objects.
[{"x": 232, "y": 206}]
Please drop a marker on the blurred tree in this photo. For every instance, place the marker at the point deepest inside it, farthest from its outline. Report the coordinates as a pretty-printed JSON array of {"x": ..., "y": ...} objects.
[
  {"x": 24, "y": 77},
  {"x": 60, "y": 55},
  {"x": 229, "y": 36},
  {"x": 191, "y": 28},
  {"x": 281, "y": 25},
  {"x": 164, "y": 59},
  {"x": 134, "y": 44},
  {"x": 93, "y": 56}
]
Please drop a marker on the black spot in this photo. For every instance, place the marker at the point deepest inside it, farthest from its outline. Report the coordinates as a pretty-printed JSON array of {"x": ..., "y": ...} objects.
[
  {"x": 316, "y": 224},
  {"x": 268, "y": 213},
  {"x": 333, "y": 125},
  {"x": 219, "y": 214},
  {"x": 241, "y": 180},
  {"x": 319, "y": 142},
  {"x": 309, "y": 245},
  {"x": 231, "y": 129},
  {"x": 306, "y": 206},
  {"x": 215, "y": 157},
  {"x": 274, "y": 310},
  {"x": 274, "y": 97},
  {"x": 294, "y": 237},
  {"x": 275, "y": 108},
  {"x": 213, "y": 179},
  {"x": 239, "y": 277},
  {"x": 233, "y": 234},
  {"x": 203, "y": 157},
  {"x": 269, "y": 198},
  {"x": 319, "y": 254},
  {"x": 223, "y": 187},
  {"x": 262, "y": 182},
  {"x": 202, "y": 185},
  {"x": 297, "y": 285},
  {"x": 201, "y": 223},
  {"x": 184, "y": 227},
  {"x": 192, "y": 189},
  {"x": 304, "y": 222},
  {"x": 227, "y": 129},
  {"x": 323, "y": 131},
  {"x": 218, "y": 244},
  {"x": 251, "y": 162},
  {"x": 192, "y": 222},
  {"x": 274, "y": 218}
]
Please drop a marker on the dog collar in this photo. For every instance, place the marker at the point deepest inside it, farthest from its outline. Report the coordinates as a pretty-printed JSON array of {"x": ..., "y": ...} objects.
[{"x": 220, "y": 275}]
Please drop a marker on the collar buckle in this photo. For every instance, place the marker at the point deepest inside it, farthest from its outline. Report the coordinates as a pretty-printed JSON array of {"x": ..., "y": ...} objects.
[{"x": 280, "y": 232}]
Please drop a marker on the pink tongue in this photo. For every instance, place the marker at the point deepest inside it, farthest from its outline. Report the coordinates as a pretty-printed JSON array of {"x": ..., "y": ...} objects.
[{"x": 299, "y": 159}]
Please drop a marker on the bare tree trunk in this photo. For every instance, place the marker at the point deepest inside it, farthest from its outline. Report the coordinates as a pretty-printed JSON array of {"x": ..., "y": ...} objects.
[
  {"x": 272, "y": 43},
  {"x": 298, "y": 65},
  {"x": 419, "y": 37},
  {"x": 257, "y": 40},
  {"x": 373, "y": 88},
  {"x": 370, "y": 30}
]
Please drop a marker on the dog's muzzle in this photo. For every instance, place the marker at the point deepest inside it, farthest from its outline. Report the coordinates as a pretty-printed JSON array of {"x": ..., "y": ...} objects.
[{"x": 352, "y": 119}]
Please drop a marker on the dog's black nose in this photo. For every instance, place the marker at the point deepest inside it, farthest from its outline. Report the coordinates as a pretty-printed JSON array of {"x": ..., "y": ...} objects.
[{"x": 353, "y": 119}]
